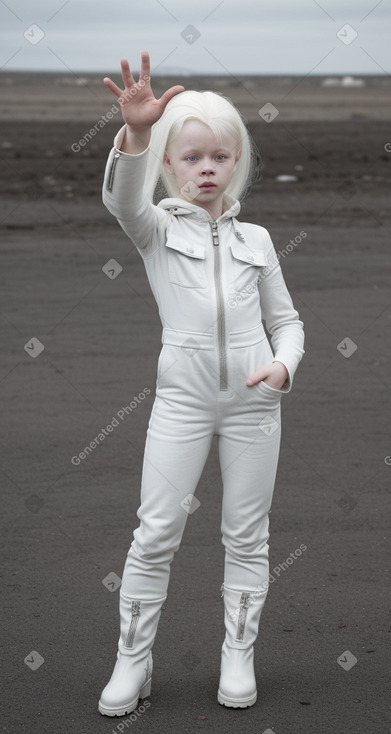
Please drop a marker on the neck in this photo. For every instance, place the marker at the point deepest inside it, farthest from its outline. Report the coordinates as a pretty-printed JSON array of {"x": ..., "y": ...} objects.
[{"x": 214, "y": 211}]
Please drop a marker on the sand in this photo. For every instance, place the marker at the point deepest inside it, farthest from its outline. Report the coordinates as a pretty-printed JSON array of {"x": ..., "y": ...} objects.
[{"x": 66, "y": 527}]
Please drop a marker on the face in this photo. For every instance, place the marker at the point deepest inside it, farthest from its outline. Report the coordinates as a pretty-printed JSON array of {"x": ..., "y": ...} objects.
[{"x": 202, "y": 165}]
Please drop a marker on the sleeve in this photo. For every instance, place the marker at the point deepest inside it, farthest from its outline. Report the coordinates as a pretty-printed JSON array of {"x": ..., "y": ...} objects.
[
  {"x": 281, "y": 318},
  {"x": 123, "y": 195}
]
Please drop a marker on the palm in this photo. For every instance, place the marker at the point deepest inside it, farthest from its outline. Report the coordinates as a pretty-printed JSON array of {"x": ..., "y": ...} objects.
[{"x": 139, "y": 106}]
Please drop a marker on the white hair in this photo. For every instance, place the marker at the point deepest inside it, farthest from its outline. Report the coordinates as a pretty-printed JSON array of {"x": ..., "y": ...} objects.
[{"x": 219, "y": 113}]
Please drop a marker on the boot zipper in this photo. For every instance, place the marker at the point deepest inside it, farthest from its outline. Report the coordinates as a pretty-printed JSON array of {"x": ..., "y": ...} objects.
[
  {"x": 110, "y": 179},
  {"x": 245, "y": 601},
  {"x": 133, "y": 624},
  {"x": 220, "y": 308}
]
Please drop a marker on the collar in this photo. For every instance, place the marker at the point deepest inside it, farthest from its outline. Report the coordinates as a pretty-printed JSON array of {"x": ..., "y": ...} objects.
[{"x": 180, "y": 207}]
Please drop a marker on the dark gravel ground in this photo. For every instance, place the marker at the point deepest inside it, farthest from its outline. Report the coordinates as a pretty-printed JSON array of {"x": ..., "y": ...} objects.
[{"x": 65, "y": 528}]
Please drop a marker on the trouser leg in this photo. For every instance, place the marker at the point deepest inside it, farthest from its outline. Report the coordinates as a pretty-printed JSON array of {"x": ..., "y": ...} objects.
[
  {"x": 171, "y": 472},
  {"x": 173, "y": 462},
  {"x": 248, "y": 466},
  {"x": 248, "y": 451}
]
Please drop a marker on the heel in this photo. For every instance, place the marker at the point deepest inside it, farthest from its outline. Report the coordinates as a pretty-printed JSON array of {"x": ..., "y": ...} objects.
[{"x": 146, "y": 689}]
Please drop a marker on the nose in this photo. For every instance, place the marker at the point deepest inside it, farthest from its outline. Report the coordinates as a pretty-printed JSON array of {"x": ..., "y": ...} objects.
[{"x": 207, "y": 168}]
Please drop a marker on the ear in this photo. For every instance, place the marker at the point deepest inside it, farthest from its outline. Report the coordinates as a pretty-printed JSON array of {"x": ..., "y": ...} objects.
[
  {"x": 237, "y": 156},
  {"x": 167, "y": 162}
]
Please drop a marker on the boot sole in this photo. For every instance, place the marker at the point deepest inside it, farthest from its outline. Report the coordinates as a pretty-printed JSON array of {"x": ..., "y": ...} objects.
[
  {"x": 236, "y": 703},
  {"x": 128, "y": 708}
]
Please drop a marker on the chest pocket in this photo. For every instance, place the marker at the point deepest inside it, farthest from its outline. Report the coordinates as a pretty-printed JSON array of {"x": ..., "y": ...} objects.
[
  {"x": 247, "y": 265},
  {"x": 186, "y": 262}
]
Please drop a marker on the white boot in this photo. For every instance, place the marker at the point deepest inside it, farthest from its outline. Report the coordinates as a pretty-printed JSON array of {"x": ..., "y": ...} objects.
[
  {"x": 237, "y": 686},
  {"x": 132, "y": 675}
]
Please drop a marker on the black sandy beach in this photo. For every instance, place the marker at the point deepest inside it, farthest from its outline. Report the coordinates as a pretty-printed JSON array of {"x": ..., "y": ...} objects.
[{"x": 79, "y": 350}]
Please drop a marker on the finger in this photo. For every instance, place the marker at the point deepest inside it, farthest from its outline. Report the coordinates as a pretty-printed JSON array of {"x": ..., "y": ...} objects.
[
  {"x": 165, "y": 98},
  {"x": 256, "y": 377},
  {"x": 127, "y": 75},
  {"x": 113, "y": 87},
  {"x": 145, "y": 70}
]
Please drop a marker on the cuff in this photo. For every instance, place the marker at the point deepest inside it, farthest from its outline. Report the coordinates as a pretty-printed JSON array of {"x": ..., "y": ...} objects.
[
  {"x": 118, "y": 142},
  {"x": 287, "y": 385}
]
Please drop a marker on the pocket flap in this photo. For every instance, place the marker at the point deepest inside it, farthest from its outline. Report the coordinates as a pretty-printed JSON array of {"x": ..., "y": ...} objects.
[
  {"x": 248, "y": 254},
  {"x": 191, "y": 249}
]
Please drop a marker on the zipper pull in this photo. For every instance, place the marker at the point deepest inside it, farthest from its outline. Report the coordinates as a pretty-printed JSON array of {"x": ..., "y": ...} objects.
[
  {"x": 215, "y": 233},
  {"x": 246, "y": 600},
  {"x": 112, "y": 170},
  {"x": 136, "y": 609}
]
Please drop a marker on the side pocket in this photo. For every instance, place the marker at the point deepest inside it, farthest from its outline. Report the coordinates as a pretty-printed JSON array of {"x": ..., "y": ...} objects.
[
  {"x": 160, "y": 364},
  {"x": 271, "y": 389}
]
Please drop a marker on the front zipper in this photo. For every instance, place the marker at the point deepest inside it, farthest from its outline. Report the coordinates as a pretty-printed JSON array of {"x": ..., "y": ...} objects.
[
  {"x": 220, "y": 308},
  {"x": 133, "y": 624},
  {"x": 110, "y": 179},
  {"x": 245, "y": 601}
]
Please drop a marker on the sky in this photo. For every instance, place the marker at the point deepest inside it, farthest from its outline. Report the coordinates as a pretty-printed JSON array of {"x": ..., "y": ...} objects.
[{"x": 206, "y": 36}]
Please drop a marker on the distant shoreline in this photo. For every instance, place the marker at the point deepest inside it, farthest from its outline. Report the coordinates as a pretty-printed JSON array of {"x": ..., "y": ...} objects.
[
  {"x": 229, "y": 79},
  {"x": 82, "y": 96}
]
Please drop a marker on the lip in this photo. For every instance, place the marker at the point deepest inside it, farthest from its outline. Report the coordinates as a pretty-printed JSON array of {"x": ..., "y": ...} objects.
[{"x": 207, "y": 185}]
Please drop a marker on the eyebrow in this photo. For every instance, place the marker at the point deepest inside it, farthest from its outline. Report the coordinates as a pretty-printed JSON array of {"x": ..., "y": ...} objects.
[{"x": 197, "y": 150}]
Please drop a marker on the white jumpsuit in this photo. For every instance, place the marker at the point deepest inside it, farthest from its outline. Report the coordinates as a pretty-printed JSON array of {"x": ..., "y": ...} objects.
[{"x": 214, "y": 282}]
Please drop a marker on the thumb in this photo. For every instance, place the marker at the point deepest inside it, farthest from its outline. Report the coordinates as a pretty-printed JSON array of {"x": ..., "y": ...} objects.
[
  {"x": 256, "y": 376},
  {"x": 170, "y": 93}
]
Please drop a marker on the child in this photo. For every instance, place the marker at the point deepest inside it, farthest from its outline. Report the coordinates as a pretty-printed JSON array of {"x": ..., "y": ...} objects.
[{"x": 214, "y": 279}]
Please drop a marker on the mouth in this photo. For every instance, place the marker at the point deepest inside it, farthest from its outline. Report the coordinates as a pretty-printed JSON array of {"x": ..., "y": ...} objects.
[{"x": 208, "y": 185}]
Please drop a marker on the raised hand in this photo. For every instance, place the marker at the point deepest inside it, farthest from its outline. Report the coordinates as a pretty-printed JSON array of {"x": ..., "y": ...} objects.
[{"x": 140, "y": 108}]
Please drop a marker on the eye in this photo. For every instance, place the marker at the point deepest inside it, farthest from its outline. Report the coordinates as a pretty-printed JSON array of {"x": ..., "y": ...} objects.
[
  {"x": 220, "y": 157},
  {"x": 191, "y": 158}
]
